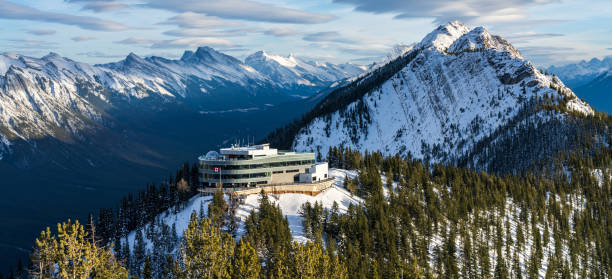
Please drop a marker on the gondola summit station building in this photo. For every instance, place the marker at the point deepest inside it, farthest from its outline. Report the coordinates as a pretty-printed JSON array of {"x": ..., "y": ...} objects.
[{"x": 259, "y": 165}]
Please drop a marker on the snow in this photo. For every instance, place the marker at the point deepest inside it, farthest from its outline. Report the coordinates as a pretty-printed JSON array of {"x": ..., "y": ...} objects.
[
  {"x": 289, "y": 204},
  {"x": 40, "y": 95},
  {"x": 440, "y": 100},
  {"x": 508, "y": 215},
  {"x": 444, "y": 35},
  {"x": 293, "y": 71},
  {"x": 583, "y": 71}
]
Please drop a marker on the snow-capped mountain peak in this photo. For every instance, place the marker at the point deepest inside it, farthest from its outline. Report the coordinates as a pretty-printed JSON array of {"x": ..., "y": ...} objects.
[
  {"x": 479, "y": 38},
  {"x": 263, "y": 57},
  {"x": 444, "y": 36},
  {"x": 436, "y": 101},
  {"x": 294, "y": 72}
]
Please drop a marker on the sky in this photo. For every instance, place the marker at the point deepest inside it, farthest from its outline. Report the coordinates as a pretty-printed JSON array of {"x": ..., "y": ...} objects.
[{"x": 547, "y": 32}]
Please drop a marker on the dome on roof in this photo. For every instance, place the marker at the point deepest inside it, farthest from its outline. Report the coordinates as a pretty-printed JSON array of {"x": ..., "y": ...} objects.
[{"x": 212, "y": 155}]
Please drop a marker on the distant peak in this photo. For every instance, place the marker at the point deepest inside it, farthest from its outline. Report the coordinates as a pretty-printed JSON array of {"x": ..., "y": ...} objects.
[
  {"x": 133, "y": 56},
  {"x": 206, "y": 54},
  {"x": 259, "y": 53},
  {"x": 52, "y": 55},
  {"x": 186, "y": 55},
  {"x": 202, "y": 53},
  {"x": 205, "y": 50}
]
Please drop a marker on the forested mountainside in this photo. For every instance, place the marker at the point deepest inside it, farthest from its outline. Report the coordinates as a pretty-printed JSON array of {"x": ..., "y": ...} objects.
[
  {"x": 71, "y": 131},
  {"x": 455, "y": 97},
  {"x": 415, "y": 221}
]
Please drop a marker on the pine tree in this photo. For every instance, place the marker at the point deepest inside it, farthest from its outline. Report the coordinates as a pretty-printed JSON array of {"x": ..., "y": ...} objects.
[
  {"x": 71, "y": 255},
  {"x": 245, "y": 264},
  {"x": 127, "y": 255},
  {"x": 44, "y": 255},
  {"x": 449, "y": 258},
  {"x": 217, "y": 209},
  {"x": 468, "y": 260},
  {"x": 206, "y": 251},
  {"x": 139, "y": 253},
  {"x": 147, "y": 271}
]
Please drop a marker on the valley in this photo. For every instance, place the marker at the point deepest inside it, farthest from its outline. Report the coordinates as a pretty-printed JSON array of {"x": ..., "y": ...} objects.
[{"x": 453, "y": 157}]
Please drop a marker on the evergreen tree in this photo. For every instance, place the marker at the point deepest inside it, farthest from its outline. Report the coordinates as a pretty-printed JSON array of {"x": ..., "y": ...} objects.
[
  {"x": 139, "y": 254},
  {"x": 245, "y": 264},
  {"x": 71, "y": 255},
  {"x": 206, "y": 252},
  {"x": 217, "y": 209},
  {"x": 147, "y": 271}
]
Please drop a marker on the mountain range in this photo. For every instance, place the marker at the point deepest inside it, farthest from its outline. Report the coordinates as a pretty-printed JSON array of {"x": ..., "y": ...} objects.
[
  {"x": 90, "y": 133},
  {"x": 590, "y": 80},
  {"x": 579, "y": 74}
]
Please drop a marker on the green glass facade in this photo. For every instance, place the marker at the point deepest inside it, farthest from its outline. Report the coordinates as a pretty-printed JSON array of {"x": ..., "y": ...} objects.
[{"x": 271, "y": 169}]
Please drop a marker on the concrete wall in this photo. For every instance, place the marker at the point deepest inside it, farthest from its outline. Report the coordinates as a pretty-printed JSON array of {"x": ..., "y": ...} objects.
[{"x": 278, "y": 178}]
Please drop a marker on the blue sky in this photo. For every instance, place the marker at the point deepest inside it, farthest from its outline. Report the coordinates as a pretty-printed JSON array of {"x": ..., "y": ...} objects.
[{"x": 545, "y": 31}]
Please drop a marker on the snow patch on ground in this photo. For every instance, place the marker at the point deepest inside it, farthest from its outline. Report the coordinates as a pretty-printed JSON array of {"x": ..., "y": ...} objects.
[{"x": 289, "y": 204}]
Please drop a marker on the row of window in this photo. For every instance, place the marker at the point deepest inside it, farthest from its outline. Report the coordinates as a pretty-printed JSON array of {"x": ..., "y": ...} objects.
[
  {"x": 259, "y": 166},
  {"x": 235, "y": 176}
]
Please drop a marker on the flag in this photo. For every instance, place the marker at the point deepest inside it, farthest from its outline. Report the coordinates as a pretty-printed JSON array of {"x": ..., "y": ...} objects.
[{"x": 217, "y": 169}]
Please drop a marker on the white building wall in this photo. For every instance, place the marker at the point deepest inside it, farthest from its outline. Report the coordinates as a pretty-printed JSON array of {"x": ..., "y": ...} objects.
[{"x": 317, "y": 172}]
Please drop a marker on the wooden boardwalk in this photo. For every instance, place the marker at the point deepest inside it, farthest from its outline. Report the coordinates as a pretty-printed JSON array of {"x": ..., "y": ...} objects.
[{"x": 312, "y": 189}]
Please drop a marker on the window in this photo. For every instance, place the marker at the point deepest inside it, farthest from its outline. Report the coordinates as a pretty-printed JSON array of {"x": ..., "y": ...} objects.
[
  {"x": 288, "y": 171},
  {"x": 276, "y": 172}
]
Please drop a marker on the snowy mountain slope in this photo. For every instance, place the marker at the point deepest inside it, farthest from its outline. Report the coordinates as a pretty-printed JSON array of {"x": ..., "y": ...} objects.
[
  {"x": 509, "y": 219},
  {"x": 583, "y": 72},
  {"x": 456, "y": 87},
  {"x": 289, "y": 203},
  {"x": 57, "y": 97},
  {"x": 294, "y": 72}
]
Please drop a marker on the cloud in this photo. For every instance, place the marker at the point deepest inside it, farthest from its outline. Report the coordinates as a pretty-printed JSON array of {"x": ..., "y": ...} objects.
[
  {"x": 243, "y": 10},
  {"x": 98, "y": 54},
  {"x": 528, "y": 36},
  {"x": 11, "y": 10},
  {"x": 191, "y": 43},
  {"x": 136, "y": 41},
  {"x": 447, "y": 10},
  {"x": 196, "y": 32},
  {"x": 32, "y": 43},
  {"x": 549, "y": 54},
  {"x": 82, "y": 38},
  {"x": 281, "y": 32},
  {"x": 367, "y": 49},
  {"x": 328, "y": 36},
  {"x": 105, "y": 6},
  {"x": 41, "y": 32},
  {"x": 195, "y": 20}
]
